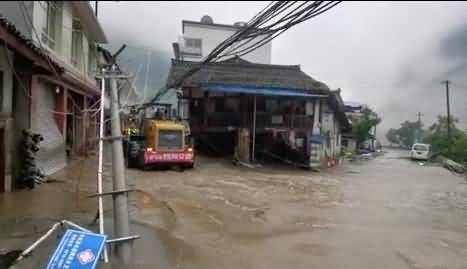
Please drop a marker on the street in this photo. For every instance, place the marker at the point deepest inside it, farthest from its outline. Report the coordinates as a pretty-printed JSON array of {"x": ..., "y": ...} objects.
[
  {"x": 388, "y": 212},
  {"x": 233, "y": 135}
]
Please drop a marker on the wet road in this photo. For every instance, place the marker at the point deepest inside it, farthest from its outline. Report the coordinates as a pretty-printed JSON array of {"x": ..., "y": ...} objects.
[{"x": 387, "y": 212}]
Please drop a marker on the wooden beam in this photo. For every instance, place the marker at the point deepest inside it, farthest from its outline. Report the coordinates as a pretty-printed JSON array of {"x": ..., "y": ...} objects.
[{"x": 53, "y": 80}]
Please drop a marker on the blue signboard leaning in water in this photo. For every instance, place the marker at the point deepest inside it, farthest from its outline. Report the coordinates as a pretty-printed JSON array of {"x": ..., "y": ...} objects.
[{"x": 77, "y": 250}]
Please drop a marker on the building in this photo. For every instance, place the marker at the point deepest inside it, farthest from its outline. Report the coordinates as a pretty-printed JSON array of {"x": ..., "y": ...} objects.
[
  {"x": 48, "y": 62},
  {"x": 198, "y": 39},
  {"x": 261, "y": 111},
  {"x": 354, "y": 111}
]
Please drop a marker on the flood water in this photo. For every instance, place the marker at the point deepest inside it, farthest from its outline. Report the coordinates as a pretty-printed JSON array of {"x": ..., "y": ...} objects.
[{"x": 388, "y": 212}]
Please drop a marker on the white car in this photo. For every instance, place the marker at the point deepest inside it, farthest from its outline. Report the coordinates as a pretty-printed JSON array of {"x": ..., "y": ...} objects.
[{"x": 420, "y": 151}]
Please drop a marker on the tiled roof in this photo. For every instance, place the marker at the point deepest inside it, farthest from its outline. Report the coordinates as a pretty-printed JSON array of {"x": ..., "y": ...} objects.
[
  {"x": 240, "y": 72},
  {"x": 11, "y": 28}
]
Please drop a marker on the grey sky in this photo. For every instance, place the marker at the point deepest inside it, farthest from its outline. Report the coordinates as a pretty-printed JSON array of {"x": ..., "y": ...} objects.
[{"x": 388, "y": 55}]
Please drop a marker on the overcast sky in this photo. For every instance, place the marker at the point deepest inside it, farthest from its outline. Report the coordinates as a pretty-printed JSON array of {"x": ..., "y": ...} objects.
[{"x": 391, "y": 56}]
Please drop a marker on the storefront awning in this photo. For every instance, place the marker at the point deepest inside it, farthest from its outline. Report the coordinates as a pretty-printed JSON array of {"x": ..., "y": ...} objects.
[{"x": 260, "y": 90}]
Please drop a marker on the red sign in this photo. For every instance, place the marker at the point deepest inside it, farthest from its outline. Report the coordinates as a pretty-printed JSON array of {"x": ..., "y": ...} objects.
[{"x": 151, "y": 157}]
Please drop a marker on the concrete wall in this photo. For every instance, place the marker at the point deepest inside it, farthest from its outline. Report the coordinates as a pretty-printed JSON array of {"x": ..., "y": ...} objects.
[
  {"x": 67, "y": 23},
  {"x": 62, "y": 49},
  {"x": 328, "y": 127},
  {"x": 12, "y": 10},
  {"x": 6, "y": 63},
  {"x": 332, "y": 131},
  {"x": 213, "y": 35},
  {"x": 6, "y": 121}
]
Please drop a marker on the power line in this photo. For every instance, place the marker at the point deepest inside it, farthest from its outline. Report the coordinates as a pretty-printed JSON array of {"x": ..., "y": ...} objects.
[
  {"x": 448, "y": 111},
  {"x": 280, "y": 31},
  {"x": 303, "y": 12}
]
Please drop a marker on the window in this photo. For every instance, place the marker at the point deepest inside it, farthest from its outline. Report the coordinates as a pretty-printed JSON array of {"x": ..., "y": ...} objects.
[
  {"x": 170, "y": 139},
  {"x": 49, "y": 22},
  {"x": 420, "y": 147},
  {"x": 92, "y": 60},
  {"x": 77, "y": 44},
  {"x": 193, "y": 43},
  {"x": 193, "y": 47}
]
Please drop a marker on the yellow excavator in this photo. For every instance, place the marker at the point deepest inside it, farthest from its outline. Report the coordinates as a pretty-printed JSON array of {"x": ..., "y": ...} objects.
[{"x": 154, "y": 137}]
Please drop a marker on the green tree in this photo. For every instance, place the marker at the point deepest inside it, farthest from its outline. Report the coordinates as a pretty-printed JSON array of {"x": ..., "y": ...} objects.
[
  {"x": 438, "y": 138},
  {"x": 459, "y": 149},
  {"x": 362, "y": 124},
  {"x": 409, "y": 133},
  {"x": 392, "y": 136}
]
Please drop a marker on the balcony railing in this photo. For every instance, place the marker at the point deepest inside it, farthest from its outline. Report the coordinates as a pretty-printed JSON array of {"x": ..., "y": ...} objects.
[{"x": 263, "y": 120}]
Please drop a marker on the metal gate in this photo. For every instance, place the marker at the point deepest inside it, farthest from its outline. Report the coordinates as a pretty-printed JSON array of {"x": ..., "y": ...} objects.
[{"x": 52, "y": 155}]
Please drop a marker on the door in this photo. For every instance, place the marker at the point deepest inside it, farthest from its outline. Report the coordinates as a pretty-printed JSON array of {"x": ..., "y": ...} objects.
[{"x": 2, "y": 160}]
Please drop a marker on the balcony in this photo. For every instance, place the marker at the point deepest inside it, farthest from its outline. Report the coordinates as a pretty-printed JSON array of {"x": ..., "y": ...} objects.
[
  {"x": 267, "y": 120},
  {"x": 222, "y": 120}
]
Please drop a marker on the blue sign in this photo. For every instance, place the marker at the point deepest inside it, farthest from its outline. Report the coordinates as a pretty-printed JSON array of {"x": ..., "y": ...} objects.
[{"x": 77, "y": 250}]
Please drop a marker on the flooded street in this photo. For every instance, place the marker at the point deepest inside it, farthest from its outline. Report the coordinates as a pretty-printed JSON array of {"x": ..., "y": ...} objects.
[{"x": 387, "y": 212}]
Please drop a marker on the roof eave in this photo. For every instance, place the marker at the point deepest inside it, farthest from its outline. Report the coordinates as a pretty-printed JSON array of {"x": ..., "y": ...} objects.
[{"x": 90, "y": 21}]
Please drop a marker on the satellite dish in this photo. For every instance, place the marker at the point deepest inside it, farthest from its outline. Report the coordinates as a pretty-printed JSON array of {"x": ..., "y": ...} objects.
[{"x": 207, "y": 19}]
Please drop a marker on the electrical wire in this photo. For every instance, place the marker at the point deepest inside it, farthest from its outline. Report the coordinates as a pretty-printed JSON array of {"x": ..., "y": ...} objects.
[
  {"x": 304, "y": 11},
  {"x": 310, "y": 14}
]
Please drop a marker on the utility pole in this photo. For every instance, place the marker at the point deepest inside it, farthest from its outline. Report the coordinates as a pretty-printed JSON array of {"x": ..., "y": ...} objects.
[
  {"x": 99, "y": 169},
  {"x": 120, "y": 199},
  {"x": 447, "y": 82},
  {"x": 374, "y": 139},
  {"x": 254, "y": 131},
  {"x": 96, "y": 6},
  {"x": 419, "y": 121}
]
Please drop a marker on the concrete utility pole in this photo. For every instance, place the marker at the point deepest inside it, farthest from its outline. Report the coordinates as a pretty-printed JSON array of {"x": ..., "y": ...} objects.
[
  {"x": 254, "y": 131},
  {"x": 96, "y": 7},
  {"x": 99, "y": 169},
  {"x": 374, "y": 139},
  {"x": 447, "y": 82},
  {"x": 419, "y": 121},
  {"x": 121, "y": 216}
]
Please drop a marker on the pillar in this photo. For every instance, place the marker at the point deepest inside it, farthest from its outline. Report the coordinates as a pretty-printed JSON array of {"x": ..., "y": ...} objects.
[
  {"x": 315, "y": 148},
  {"x": 85, "y": 125},
  {"x": 65, "y": 110}
]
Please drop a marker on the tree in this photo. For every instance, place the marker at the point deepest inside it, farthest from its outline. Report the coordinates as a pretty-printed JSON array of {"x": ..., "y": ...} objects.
[
  {"x": 438, "y": 136},
  {"x": 362, "y": 124},
  {"x": 409, "y": 133},
  {"x": 392, "y": 136},
  {"x": 459, "y": 149},
  {"x": 441, "y": 126}
]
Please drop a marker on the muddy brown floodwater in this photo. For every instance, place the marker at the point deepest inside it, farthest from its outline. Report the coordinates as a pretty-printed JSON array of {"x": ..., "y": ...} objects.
[{"x": 387, "y": 212}]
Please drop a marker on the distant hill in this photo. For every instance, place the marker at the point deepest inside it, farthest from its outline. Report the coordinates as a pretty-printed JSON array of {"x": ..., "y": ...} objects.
[{"x": 148, "y": 67}]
